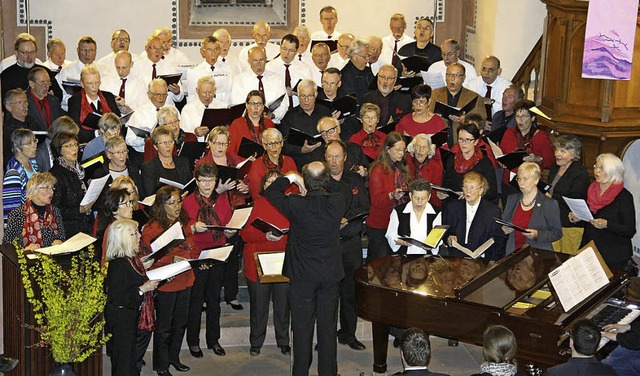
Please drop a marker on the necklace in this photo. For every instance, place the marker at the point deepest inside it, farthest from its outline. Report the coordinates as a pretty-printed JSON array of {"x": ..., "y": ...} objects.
[{"x": 533, "y": 201}]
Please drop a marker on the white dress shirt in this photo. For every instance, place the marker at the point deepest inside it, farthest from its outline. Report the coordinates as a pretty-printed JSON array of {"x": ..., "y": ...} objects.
[
  {"x": 273, "y": 89},
  {"x": 497, "y": 88},
  {"x": 108, "y": 63},
  {"x": 72, "y": 72},
  {"x": 387, "y": 46},
  {"x": 54, "y": 67},
  {"x": 135, "y": 91},
  {"x": 272, "y": 49},
  {"x": 471, "y": 213},
  {"x": 337, "y": 61},
  {"x": 316, "y": 74},
  {"x": 439, "y": 68},
  {"x": 145, "y": 118},
  {"x": 223, "y": 74},
  {"x": 322, "y": 35},
  {"x": 143, "y": 68},
  {"x": 306, "y": 58},
  {"x": 192, "y": 112},
  {"x": 419, "y": 230},
  {"x": 176, "y": 58},
  {"x": 297, "y": 69}
]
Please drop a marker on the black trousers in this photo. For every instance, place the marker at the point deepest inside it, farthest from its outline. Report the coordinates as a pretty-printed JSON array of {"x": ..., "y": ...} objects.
[
  {"x": 351, "y": 260},
  {"x": 143, "y": 337},
  {"x": 206, "y": 288},
  {"x": 311, "y": 301},
  {"x": 378, "y": 245},
  {"x": 260, "y": 294},
  {"x": 231, "y": 268},
  {"x": 172, "y": 309},
  {"x": 123, "y": 323}
]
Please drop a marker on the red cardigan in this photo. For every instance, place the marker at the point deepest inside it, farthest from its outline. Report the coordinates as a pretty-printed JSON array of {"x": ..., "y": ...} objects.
[
  {"x": 187, "y": 250},
  {"x": 256, "y": 240},
  {"x": 239, "y": 128},
  {"x": 358, "y": 139},
  {"x": 540, "y": 146},
  {"x": 222, "y": 207},
  {"x": 381, "y": 183},
  {"x": 430, "y": 171},
  {"x": 259, "y": 169}
]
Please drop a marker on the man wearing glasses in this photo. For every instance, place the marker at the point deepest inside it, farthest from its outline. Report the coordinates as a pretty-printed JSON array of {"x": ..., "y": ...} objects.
[
  {"x": 211, "y": 66},
  {"x": 393, "y": 104},
  {"x": 120, "y": 41},
  {"x": 44, "y": 108},
  {"x": 450, "y": 55},
  {"x": 151, "y": 66}
]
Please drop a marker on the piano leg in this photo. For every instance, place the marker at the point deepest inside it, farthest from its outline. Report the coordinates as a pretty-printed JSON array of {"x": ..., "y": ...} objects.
[{"x": 380, "y": 346}]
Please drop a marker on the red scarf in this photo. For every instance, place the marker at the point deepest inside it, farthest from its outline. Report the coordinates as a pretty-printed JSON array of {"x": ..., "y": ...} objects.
[
  {"x": 147, "y": 319},
  {"x": 598, "y": 200},
  {"x": 400, "y": 182},
  {"x": 207, "y": 213},
  {"x": 33, "y": 224},
  {"x": 256, "y": 136},
  {"x": 462, "y": 165},
  {"x": 85, "y": 105},
  {"x": 524, "y": 142},
  {"x": 270, "y": 165}
]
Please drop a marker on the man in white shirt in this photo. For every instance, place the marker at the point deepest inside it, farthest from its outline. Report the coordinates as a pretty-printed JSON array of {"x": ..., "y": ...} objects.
[
  {"x": 340, "y": 59},
  {"x": 261, "y": 34},
  {"x": 229, "y": 62},
  {"x": 172, "y": 55},
  {"x": 304, "y": 55},
  {"x": 450, "y": 54},
  {"x": 329, "y": 20},
  {"x": 192, "y": 113},
  {"x": 151, "y": 66},
  {"x": 290, "y": 69},
  {"x": 393, "y": 42},
  {"x": 120, "y": 41},
  {"x": 56, "y": 53},
  {"x": 211, "y": 66},
  {"x": 258, "y": 79},
  {"x": 320, "y": 58},
  {"x": 375, "y": 50},
  {"x": 87, "y": 48},
  {"x": 130, "y": 90},
  {"x": 491, "y": 84}
]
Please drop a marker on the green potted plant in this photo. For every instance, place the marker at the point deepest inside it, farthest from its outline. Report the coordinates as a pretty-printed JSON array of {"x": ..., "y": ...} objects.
[{"x": 67, "y": 305}]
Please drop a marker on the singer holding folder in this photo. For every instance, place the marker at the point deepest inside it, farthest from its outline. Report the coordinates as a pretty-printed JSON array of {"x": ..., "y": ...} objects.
[
  {"x": 172, "y": 299},
  {"x": 251, "y": 124}
]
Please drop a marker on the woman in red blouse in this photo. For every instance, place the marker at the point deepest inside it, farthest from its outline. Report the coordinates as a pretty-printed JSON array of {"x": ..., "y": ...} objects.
[
  {"x": 271, "y": 159},
  {"x": 260, "y": 294},
  {"x": 369, "y": 138},
  {"x": 425, "y": 162},
  {"x": 172, "y": 299},
  {"x": 388, "y": 186},
  {"x": 252, "y": 124},
  {"x": 421, "y": 120}
]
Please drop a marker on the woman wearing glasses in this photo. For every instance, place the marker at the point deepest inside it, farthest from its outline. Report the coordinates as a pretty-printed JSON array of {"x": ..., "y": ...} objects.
[
  {"x": 467, "y": 156},
  {"x": 425, "y": 162},
  {"x": 165, "y": 165},
  {"x": 117, "y": 204},
  {"x": 272, "y": 159},
  {"x": 169, "y": 116},
  {"x": 70, "y": 185},
  {"x": 36, "y": 223},
  {"x": 19, "y": 169},
  {"x": 421, "y": 120},
  {"x": 252, "y": 124},
  {"x": 531, "y": 210},
  {"x": 369, "y": 138}
]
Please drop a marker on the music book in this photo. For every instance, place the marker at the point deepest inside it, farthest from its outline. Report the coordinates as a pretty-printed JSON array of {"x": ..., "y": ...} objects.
[
  {"x": 347, "y": 105},
  {"x": 171, "y": 79},
  {"x": 502, "y": 222},
  {"x": 168, "y": 271},
  {"x": 387, "y": 128},
  {"x": 473, "y": 254},
  {"x": 332, "y": 43},
  {"x": 298, "y": 137},
  {"x": 495, "y": 135},
  {"x": 192, "y": 150},
  {"x": 190, "y": 186},
  {"x": 217, "y": 254},
  {"x": 71, "y": 87},
  {"x": 269, "y": 266},
  {"x": 237, "y": 221},
  {"x": 92, "y": 164},
  {"x": 513, "y": 159},
  {"x": 73, "y": 244},
  {"x": 579, "y": 207},
  {"x": 92, "y": 120},
  {"x": 445, "y": 110},
  {"x": 149, "y": 200},
  {"x": 578, "y": 277},
  {"x": 408, "y": 83},
  {"x": 213, "y": 117},
  {"x": 416, "y": 63},
  {"x": 440, "y": 138},
  {"x": 41, "y": 136},
  {"x": 443, "y": 189},
  {"x": 139, "y": 132},
  {"x": 94, "y": 189},
  {"x": 265, "y": 227},
  {"x": 125, "y": 117},
  {"x": 234, "y": 173},
  {"x": 276, "y": 103},
  {"x": 539, "y": 112},
  {"x": 358, "y": 217},
  {"x": 250, "y": 148},
  {"x": 166, "y": 241},
  {"x": 433, "y": 238}
]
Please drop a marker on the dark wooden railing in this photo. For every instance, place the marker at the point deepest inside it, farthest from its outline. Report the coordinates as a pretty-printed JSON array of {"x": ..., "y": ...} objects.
[{"x": 528, "y": 76}]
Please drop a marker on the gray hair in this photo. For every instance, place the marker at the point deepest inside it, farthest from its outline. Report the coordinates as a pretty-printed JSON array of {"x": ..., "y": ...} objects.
[
  {"x": 357, "y": 46},
  {"x": 166, "y": 111},
  {"x": 425, "y": 137},
  {"x": 612, "y": 167},
  {"x": 109, "y": 121},
  {"x": 570, "y": 143},
  {"x": 271, "y": 132}
]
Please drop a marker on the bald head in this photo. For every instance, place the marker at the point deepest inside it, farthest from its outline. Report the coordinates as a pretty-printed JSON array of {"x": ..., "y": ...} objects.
[
  {"x": 257, "y": 58},
  {"x": 316, "y": 176},
  {"x": 490, "y": 69},
  {"x": 261, "y": 33},
  {"x": 123, "y": 63},
  {"x": 344, "y": 42}
]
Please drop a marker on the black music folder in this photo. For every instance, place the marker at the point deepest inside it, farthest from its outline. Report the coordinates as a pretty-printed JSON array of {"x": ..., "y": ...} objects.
[
  {"x": 71, "y": 87},
  {"x": 416, "y": 63},
  {"x": 139, "y": 132},
  {"x": 513, "y": 159},
  {"x": 171, "y": 79},
  {"x": 445, "y": 110},
  {"x": 265, "y": 227},
  {"x": 347, "y": 105},
  {"x": 213, "y": 117},
  {"x": 234, "y": 173},
  {"x": 332, "y": 43},
  {"x": 249, "y": 147},
  {"x": 192, "y": 150},
  {"x": 92, "y": 120},
  {"x": 495, "y": 135},
  {"x": 408, "y": 83},
  {"x": 298, "y": 137},
  {"x": 502, "y": 222},
  {"x": 389, "y": 127}
]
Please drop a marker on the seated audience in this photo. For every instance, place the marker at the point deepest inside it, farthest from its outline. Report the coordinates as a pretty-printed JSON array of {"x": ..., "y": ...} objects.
[
  {"x": 20, "y": 168},
  {"x": 470, "y": 220},
  {"x": 415, "y": 350},
  {"x": 129, "y": 295},
  {"x": 614, "y": 214},
  {"x": 36, "y": 223},
  {"x": 584, "y": 341},
  {"x": 531, "y": 210},
  {"x": 499, "y": 348}
]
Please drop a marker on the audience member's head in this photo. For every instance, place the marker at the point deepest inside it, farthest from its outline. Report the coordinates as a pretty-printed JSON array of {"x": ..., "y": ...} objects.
[
  {"x": 585, "y": 338},
  {"x": 499, "y": 345},
  {"x": 415, "y": 348}
]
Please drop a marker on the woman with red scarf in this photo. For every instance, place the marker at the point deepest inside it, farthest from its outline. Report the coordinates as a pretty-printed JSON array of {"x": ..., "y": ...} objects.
[
  {"x": 172, "y": 298},
  {"x": 89, "y": 100},
  {"x": 252, "y": 124},
  {"x": 467, "y": 156},
  {"x": 36, "y": 223},
  {"x": 613, "y": 211},
  {"x": 261, "y": 294},
  {"x": 204, "y": 208},
  {"x": 130, "y": 305},
  {"x": 369, "y": 138},
  {"x": 388, "y": 187},
  {"x": 272, "y": 159},
  {"x": 425, "y": 162}
]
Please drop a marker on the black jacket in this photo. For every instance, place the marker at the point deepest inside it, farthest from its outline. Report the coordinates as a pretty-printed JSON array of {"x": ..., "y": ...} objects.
[
  {"x": 152, "y": 171},
  {"x": 573, "y": 184},
  {"x": 75, "y": 101},
  {"x": 67, "y": 197}
]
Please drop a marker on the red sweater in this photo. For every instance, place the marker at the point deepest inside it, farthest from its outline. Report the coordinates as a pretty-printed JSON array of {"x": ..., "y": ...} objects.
[
  {"x": 540, "y": 146},
  {"x": 222, "y": 207},
  {"x": 256, "y": 240},
  {"x": 186, "y": 249},
  {"x": 358, "y": 139},
  {"x": 407, "y": 125},
  {"x": 239, "y": 128},
  {"x": 259, "y": 169},
  {"x": 381, "y": 183}
]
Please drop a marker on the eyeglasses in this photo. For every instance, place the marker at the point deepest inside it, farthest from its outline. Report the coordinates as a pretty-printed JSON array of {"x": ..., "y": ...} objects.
[
  {"x": 329, "y": 131},
  {"x": 420, "y": 27},
  {"x": 207, "y": 181},
  {"x": 455, "y": 75},
  {"x": 449, "y": 54},
  {"x": 126, "y": 203},
  {"x": 166, "y": 143},
  {"x": 43, "y": 83},
  {"x": 317, "y": 56},
  {"x": 156, "y": 48},
  {"x": 219, "y": 143},
  {"x": 370, "y": 118},
  {"x": 31, "y": 142},
  {"x": 47, "y": 188},
  {"x": 272, "y": 144},
  {"x": 466, "y": 140},
  {"x": 175, "y": 122},
  {"x": 28, "y": 53},
  {"x": 255, "y": 104},
  {"x": 118, "y": 39},
  {"x": 306, "y": 97},
  {"x": 469, "y": 187},
  {"x": 597, "y": 167},
  {"x": 523, "y": 116},
  {"x": 330, "y": 84},
  {"x": 420, "y": 102},
  {"x": 174, "y": 203},
  {"x": 158, "y": 94},
  {"x": 119, "y": 152},
  {"x": 71, "y": 145},
  {"x": 210, "y": 50},
  {"x": 208, "y": 93}
]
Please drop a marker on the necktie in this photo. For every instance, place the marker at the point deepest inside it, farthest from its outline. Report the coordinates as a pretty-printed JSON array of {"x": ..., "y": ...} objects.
[
  {"x": 395, "y": 53},
  {"x": 44, "y": 113},
  {"x": 213, "y": 68},
  {"x": 287, "y": 83},
  {"x": 260, "y": 85},
  {"x": 488, "y": 106},
  {"x": 224, "y": 60},
  {"x": 154, "y": 74},
  {"x": 121, "y": 92},
  {"x": 300, "y": 57},
  {"x": 59, "y": 68},
  {"x": 94, "y": 107}
]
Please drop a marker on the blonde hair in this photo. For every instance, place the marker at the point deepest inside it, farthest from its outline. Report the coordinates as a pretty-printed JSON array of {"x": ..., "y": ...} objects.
[
  {"x": 124, "y": 179},
  {"x": 38, "y": 180},
  {"x": 530, "y": 167},
  {"x": 120, "y": 243}
]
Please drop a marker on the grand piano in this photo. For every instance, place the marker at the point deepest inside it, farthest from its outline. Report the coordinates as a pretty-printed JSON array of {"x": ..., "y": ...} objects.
[{"x": 457, "y": 298}]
